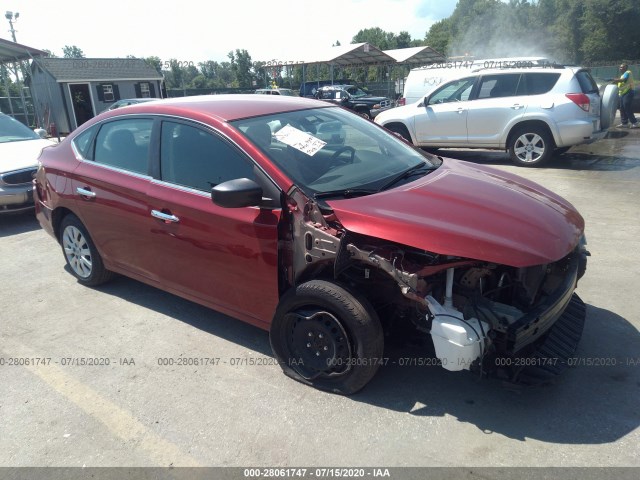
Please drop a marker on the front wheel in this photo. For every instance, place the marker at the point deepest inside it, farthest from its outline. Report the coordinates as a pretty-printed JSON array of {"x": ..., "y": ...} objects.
[
  {"x": 81, "y": 254},
  {"x": 530, "y": 146},
  {"x": 401, "y": 131},
  {"x": 326, "y": 337}
]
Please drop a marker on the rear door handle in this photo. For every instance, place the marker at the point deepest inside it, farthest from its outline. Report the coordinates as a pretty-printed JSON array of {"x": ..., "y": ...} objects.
[
  {"x": 517, "y": 106},
  {"x": 85, "y": 192},
  {"x": 165, "y": 217}
]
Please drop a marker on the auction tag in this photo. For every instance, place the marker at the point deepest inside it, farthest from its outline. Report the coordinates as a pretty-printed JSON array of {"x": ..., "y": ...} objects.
[{"x": 299, "y": 140}]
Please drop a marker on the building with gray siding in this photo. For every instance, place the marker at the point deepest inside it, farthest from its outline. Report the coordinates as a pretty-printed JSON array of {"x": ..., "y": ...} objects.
[{"x": 69, "y": 91}]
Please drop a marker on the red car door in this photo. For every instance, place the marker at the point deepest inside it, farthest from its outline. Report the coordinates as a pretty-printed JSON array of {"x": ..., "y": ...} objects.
[
  {"x": 226, "y": 258},
  {"x": 110, "y": 186}
]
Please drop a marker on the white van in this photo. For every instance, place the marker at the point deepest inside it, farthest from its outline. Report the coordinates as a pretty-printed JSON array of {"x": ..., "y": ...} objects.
[{"x": 421, "y": 81}]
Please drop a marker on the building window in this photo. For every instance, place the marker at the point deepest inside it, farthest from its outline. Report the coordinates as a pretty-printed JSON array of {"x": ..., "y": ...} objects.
[
  {"x": 144, "y": 90},
  {"x": 107, "y": 91}
]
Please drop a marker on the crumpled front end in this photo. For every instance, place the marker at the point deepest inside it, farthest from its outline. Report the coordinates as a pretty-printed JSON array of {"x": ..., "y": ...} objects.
[{"x": 517, "y": 322}]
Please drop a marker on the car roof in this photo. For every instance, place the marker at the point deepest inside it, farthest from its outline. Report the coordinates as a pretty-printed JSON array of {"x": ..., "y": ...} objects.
[
  {"x": 537, "y": 69},
  {"x": 226, "y": 107}
]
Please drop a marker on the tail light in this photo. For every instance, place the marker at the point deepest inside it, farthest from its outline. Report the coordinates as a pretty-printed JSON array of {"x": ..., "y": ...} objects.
[
  {"x": 402, "y": 101},
  {"x": 580, "y": 99}
]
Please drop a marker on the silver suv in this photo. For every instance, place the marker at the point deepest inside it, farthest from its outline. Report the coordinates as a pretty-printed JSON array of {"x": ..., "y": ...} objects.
[{"x": 531, "y": 112}]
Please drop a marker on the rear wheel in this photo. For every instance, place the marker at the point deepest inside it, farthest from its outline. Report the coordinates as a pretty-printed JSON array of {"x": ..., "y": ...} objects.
[
  {"x": 530, "y": 146},
  {"x": 326, "y": 337},
  {"x": 81, "y": 254}
]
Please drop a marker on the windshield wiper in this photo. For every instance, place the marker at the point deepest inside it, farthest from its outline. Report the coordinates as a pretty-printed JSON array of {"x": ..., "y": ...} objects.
[
  {"x": 406, "y": 174},
  {"x": 345, "y": 192}
]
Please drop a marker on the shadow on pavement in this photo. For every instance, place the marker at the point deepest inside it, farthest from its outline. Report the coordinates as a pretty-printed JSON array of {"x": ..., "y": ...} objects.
[
  {"x": 587, "y": 405},
  {"x": 16, "y": 223}
]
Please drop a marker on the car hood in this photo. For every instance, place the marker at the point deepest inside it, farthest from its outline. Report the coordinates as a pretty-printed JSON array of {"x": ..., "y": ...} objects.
[
  {"x": 21, "y": 154},
  {"x": 371, "y": 98},
  {"x": 471, "y": 211}
]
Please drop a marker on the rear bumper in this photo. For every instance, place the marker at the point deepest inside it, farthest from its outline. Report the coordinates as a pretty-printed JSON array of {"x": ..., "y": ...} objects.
[{"x": 577, "y": 132}]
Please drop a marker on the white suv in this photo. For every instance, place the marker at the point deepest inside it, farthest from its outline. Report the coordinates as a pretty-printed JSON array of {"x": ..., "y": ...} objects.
[{"x": 528, "y": 111}]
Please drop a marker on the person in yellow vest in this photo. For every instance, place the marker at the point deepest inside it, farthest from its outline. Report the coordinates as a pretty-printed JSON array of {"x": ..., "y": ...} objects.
[{"x": 625, "y": 92}]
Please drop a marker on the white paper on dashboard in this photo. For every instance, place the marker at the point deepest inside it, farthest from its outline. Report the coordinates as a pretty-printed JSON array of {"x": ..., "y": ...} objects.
[{"x": 299, "y": 140}]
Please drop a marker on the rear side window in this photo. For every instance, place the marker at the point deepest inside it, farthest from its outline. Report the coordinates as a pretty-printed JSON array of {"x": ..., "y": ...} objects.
[
  {"x": 587, "y": 83},
  {"x": 496, "y": 86},
  {"x": 124, "y": 144},
  {"x": 83, "y": 143},
  {"x": 539, "y": 83}
]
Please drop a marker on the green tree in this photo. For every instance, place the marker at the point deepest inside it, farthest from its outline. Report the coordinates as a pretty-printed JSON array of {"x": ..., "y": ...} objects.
[
  {"x": 241, "y": 66},
  {"x": 440, "y": 35},
  {"x": 154, "y": 62},
  {"x": 71, "y": 51}
]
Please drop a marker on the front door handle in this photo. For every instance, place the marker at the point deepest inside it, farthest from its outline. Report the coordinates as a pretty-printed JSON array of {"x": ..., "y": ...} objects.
[
  {"x": 85, "y": 192},
  {"x": 165, "y": 217},
  {"x": 517, "y": 106},
  {"x": 460, "y": 110}
]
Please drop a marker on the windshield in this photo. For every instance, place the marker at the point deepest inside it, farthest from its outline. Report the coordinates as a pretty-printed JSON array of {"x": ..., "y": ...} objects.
[
  {"x": 11, "y": 130},
  {"x": 356, "y": 92},
  {"x": 331, "y": 150}
]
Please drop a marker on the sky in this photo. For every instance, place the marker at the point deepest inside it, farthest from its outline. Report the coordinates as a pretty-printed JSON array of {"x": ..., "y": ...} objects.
[{"x": 189, "y": 31}]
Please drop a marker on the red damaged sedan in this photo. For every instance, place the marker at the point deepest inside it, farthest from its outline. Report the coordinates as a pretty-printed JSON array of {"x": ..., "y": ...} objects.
[{"x": 321, "y": 227}]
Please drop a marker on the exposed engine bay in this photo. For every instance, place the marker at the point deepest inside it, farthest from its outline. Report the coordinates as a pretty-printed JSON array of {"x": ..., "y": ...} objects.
[{"x": 475, "y": 311}]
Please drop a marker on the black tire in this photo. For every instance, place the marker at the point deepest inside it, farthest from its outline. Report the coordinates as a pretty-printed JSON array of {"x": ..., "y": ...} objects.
[
  {"x": 326, "y": 337},
  {"x": 400, "y": 130},
  {"x": 530, "y": 146},
  {"x": 81, "y": 254}
]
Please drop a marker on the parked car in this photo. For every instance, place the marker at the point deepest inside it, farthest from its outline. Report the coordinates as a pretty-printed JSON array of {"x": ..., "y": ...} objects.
[
  {"x": 422, "y": 81},
  {"x": 19, "y": 151},
  {"x": 310, "y": 88},
  {"x": 355, "y": 98},
  {"x": 528, "y": 111},
  {"x": 231, "y": 201},
  {"x": 275, "y": 91},
  {"x": 125, "y": 102}
]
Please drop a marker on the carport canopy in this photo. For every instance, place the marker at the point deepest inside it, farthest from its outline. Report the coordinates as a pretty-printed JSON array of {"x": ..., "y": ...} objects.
[
  {"x": 15, "y": 52},
  {"x": 365, "y": 54}
]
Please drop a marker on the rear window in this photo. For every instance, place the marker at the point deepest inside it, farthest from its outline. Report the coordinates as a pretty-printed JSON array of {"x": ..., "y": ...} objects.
[
  {"x": 539, "y": 83},
  {"x": 587, "y": 83}
]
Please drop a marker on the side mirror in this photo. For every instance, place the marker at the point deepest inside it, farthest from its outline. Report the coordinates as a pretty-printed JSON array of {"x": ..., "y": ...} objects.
[{"x": 237, "y": 193}]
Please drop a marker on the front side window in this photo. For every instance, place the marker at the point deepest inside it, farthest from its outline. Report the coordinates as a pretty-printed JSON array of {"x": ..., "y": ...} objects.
[
  {"x": 457, "y": 91},
  {"x": 197, "y": 159},
  {"x": 124, "y": 144}
]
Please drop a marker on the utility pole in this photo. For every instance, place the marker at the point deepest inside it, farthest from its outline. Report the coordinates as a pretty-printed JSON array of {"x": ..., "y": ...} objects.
[{"x": 13, "y": 17}]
